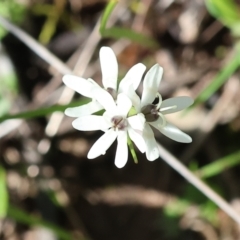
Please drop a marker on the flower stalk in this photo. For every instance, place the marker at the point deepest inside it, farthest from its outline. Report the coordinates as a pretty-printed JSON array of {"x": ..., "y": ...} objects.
[{"x": 132, "y": 151}]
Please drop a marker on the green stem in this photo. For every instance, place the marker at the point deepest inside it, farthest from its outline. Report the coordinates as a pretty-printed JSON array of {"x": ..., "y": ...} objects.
[
  {"x": 131, "y": 147},
  {"x": 43, "y": 111}
]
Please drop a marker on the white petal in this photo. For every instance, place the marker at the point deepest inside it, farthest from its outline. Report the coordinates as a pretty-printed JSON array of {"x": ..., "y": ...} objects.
[
  {"x": 90, "y": 123},
  {"x": 137, "y": 139},
  {"x": 108, "y": 117},
  {"x": 158, "y": 124},
  {"x": 151, "y": 84},
  {"x": 80, "y": 85},
  {"x": 136, "y": 103},
  {"x": 123, "y": 104},
  {"x": 175, "y": 104},
  {"x": 84, "y": 110},
  {"x": 122, "y": 150},
  {"x": 109, "y": 68},
  {"x": 102, "y": 144},
  {"x": 104, "y": 98},
  {"x": 152, "y": 151},
  {"x": 175, "y": 134},
  {"x": 133, "y": 77},
  {"x": 137, "y": 121}
]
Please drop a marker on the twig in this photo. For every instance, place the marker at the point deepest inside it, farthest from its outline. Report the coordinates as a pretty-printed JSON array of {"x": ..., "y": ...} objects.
[
  {"x": 67, "y": 94},
  {"x": 8, "y": 126},
  {"x": 35, "y": 46},
  {"x": 200, "y": 185}
]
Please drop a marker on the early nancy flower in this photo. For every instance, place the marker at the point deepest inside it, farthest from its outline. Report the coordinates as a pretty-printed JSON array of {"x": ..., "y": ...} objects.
[
  {"x": 116, "y": 125},
  {"x": 126, "y": 116},
  {"x": 87, "y": 87},
  {"x": 154, "y": 113}
]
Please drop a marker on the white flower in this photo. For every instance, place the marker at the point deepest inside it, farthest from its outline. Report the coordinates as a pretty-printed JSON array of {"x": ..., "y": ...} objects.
[
  {"x": 125, "y": 114},
  {"x": 154, "y": 113},
  {"x": 87, "y": 87},
  {"x": 115, "y": 124}
]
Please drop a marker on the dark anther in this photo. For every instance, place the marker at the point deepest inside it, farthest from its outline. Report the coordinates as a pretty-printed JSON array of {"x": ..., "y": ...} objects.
[
  {"x": 150, "y": 112},
  {"x": 112, "y": 92}
]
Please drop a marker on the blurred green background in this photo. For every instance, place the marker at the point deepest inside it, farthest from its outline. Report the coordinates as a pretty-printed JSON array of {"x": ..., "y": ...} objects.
[{"x": 48, "y": 187}]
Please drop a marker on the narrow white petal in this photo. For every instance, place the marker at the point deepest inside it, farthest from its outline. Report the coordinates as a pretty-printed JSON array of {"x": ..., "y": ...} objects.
[
  {"x": 109, "y": 68},
  {"x": 137, "y": 139},
  {"x": 133, "y": 77},
  {"x": 151, "y": 84},
  {"x": 104, "y": 98},
  {"x": 90, "y": 123},
  {"x": 102, "y": 144},
  {"x": 84, "y": 110},
  {"x": 136, "y": 103},
  {"x": 123, "y": 104},
  {"x": 122, "y": 150},
  {"x": 152, "y": 151},
  {"x": 80, "y": 85},
  {"x": 175, "y": 134},
  {"x": 137, "y": 121},
  {"x": 108, "y": 117},
  {"x": 175, "y": 104}
]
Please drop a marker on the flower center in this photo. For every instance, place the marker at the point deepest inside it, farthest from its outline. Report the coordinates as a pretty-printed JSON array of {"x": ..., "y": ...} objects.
[
  {"x": 150, "y": 112},
  {"x": 112, "y": 92},
  {"x": 119, "y": 123}
]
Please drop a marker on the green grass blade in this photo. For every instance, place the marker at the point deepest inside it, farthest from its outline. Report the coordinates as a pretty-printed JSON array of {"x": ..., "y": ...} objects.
[
  {"x": 3, "y": 193},
  {"x": 227, "y": 12},
  {"x": 25, "y": 218},
  {"x": 106, "y": 14},
  {"x": 48, "y": 30},
  {"x": 218, "y": 81},
  {"x": 118, "y": 33},
  {"x": 43, "y": 111},
  {"x": 219, "y": 165}
]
